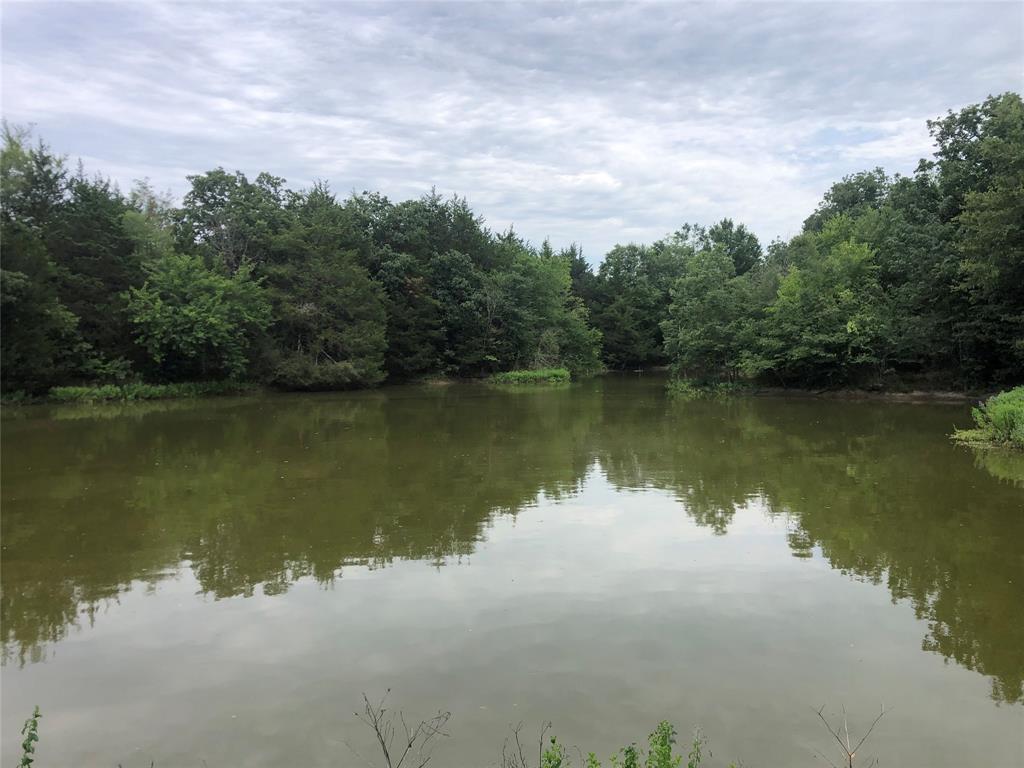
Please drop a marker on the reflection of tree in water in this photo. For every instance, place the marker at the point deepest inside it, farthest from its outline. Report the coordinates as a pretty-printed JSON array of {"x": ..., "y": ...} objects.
[
  {"x": 261, "y": 493},
  {"x": 1002, "y": 463},
  {"x": 884, "y": 501},
  {"x": 251, "y": 498},
  {"x": 704, "y": 453}
]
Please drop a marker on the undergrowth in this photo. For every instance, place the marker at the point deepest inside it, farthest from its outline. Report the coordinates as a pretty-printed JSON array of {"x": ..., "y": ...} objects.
[
  {"x": 129, "y": 392},
  {"x": 999, "y": 422},
  {"x": 532, "y": 377}
]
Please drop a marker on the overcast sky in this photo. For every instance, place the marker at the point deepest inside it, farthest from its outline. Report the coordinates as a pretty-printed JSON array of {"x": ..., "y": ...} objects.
[{"x": 593, "y": 123}]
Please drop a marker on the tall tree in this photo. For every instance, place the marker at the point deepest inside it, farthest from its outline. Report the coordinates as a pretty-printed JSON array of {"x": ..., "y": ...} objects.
[
  {"x": 980, "y": 159},
  {"x": 739, "y": 243},
  {"x": 854, "y": 195},
  {"x": 41, "y": 343},
  {"x": 195, "y": 322}
]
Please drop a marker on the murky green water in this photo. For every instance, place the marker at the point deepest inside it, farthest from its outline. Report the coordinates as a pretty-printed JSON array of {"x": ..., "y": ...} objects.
[{"x": 219, "y": 581}]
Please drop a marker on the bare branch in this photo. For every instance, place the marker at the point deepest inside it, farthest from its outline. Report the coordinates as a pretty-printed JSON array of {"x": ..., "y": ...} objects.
[
  {"x": 829, "y": 727},
  {"x": 415, "y": 741},
  {"x": 849, "y": 753},
  {"x": 873, "y": 724}
]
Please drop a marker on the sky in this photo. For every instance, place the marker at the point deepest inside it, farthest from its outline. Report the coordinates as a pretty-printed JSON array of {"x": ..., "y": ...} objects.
[{"x": 591, "y": 123}]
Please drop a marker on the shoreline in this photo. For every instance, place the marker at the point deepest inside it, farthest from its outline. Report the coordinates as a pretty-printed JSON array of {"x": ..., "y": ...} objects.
[
  {"x": 195, "y": 390},
  {"x": 886, "y": 395}
]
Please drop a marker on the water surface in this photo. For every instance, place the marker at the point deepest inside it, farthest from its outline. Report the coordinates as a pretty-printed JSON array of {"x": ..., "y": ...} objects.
[{"x": 220, "y": 580}]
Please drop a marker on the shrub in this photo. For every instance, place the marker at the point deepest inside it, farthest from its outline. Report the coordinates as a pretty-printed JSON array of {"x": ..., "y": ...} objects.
[
  {"x": 139, "y": 391},
  {"x": 85, "y": 394},
  {"x": 303, "y": 372},
  {"x": 537, "y": 376},
  {"x": 1000, "y": 421}
]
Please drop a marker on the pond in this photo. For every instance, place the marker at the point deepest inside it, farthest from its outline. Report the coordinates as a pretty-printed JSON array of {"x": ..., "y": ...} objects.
[{"x": 217, "y": 582}]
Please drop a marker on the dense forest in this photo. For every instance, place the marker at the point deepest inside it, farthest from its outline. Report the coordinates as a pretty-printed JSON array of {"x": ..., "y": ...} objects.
[{"x": 917, "y": 276}]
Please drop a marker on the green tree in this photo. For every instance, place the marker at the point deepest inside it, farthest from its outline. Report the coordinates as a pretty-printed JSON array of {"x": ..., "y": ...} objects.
[
  {"x": 703, "y": 332},
  {"x": 855, "y": 194},
  {"x": 41, "y": 343},
  {"x": 96, "y": 263},
  {"x": 739, "y": 243},
  {"x": 980, "y": 160},
  {"x": 829, "y": 322},
  {"x": 414, "y": 334},
  {"x": 195, "y": 322},
  {"x": 230, "y": 219},
  {"x": 458, "y": 287},
  {"x": 330, "y": 327},
  {"x": 632, "y": 300}
]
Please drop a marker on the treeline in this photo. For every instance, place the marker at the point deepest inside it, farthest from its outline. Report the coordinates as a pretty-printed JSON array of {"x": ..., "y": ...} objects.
[
  {"x": 906, "y": 276},
  {"x": 248, "y": 279},
  {"x": 891, "y": 277}
]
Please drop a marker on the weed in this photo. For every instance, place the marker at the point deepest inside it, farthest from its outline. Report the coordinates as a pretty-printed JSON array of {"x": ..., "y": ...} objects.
[{"x": 30, "y": 730}]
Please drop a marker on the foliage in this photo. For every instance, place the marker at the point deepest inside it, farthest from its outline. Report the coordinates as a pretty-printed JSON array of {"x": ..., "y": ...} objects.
[
  {"x": 249, "y": 278},
  {"x": 331, "y": 326},
  {"x": 999, "y": 420},
  {"x": 30, "y": 730},
  {"x": 828, "y": 322},
  {"x": 737, "y": 242},
  {"x": 891, "y": 276},
  {"x": 660, "y": 751},
  {"x": 41, "y": 340},
  {"x": 853, "y": 196},
  {"x": 194, "y": 320},
  {"x": 631, "y": 301},
  {"x": 981, "y": 172},
  {"x": 139, "y": 391},
  {"x": 706, "y": 326},
  {"x": 535, "y": 376},
  {"x": 553, "y": 755}
]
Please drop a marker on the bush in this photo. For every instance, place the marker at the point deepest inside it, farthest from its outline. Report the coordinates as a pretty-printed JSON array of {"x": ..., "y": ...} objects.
[
  {"x": 1000, "y": 421},
  {"x": 85, "y": 394},
  {"x": 139, "y": 391},
  {"x": 302, "y": 372},
  {"x": 537, "y": 376}
]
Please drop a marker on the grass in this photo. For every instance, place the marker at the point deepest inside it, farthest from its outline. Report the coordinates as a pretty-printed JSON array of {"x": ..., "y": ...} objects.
[
  {"x": 532, "y": 377},
  {"x": 130, "y": 392},
  {"x": 999, "y": 422}
]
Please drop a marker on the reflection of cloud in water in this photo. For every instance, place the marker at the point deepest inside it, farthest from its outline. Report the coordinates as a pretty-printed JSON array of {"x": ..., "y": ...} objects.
[{"x": 247, "y": 497}]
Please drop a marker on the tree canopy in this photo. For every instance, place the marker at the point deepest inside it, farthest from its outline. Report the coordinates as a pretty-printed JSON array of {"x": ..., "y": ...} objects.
[{"x": 891, "y": 276}]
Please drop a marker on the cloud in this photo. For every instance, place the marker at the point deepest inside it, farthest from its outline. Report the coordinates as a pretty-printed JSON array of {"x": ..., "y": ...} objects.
[{"x": 593, "y": 123}]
